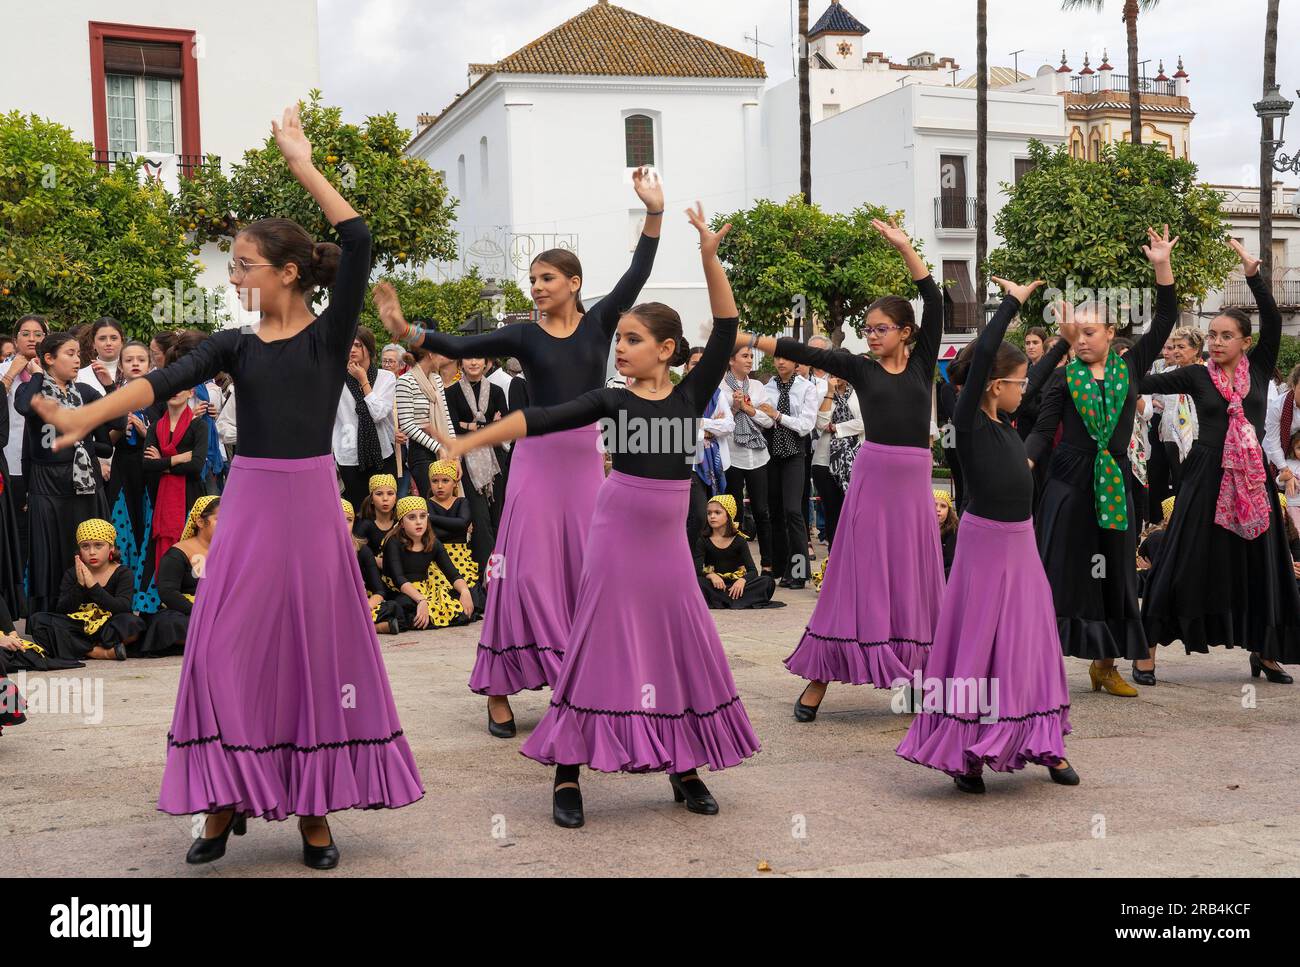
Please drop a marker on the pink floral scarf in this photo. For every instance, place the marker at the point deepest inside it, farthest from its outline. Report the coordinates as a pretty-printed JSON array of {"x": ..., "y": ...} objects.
[{"x": 1243, "y": 506}]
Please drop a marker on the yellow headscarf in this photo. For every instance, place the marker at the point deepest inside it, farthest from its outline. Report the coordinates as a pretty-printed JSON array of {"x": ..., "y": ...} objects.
[
  {"x": 1282, "y": 498},
  {"x": 96, "y": 530},
  {"x": 1167, "y": 505},
  {"x": 944, "y": 496},
  {"x": 382, "y": 480},
  {"x": 192, "y": 522},
  {"x": 444, "y": 468},
  {"x": 408, "y": 504},
  {"x": 348, "y": 512},
  {"x": 728, "y": 503}
]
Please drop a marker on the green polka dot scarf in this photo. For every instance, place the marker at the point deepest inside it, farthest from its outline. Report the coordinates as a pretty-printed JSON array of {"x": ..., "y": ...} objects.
[{"x": 1100, "y": 412}]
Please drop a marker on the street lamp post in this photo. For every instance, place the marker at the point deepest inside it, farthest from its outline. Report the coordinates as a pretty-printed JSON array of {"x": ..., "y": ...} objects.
[{"x": 1272, "y": 107}]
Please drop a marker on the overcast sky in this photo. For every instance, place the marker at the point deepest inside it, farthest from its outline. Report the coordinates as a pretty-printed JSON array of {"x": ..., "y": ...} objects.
[{"x": 410, "y": 56}]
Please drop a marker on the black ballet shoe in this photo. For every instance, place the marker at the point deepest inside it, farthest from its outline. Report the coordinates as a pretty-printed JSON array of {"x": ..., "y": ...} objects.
[
  {"x": 566, "y": 807},
  {"x": 1063, "y": 775},
  {"x": 204, "y": 850},
  {"x": 1143, "y": 676},
  {"x": 972, "y": 784},
  {"x": 805, "y": 713},
  {"x": 791, "y": 584},
  {"x": 501, "y": 730},
  {"x": 319, "y": 857},
  {"x": 690, "y": 789},
  {"x": 1275, "y": 675},
  {"x": 119, "y": 651}
]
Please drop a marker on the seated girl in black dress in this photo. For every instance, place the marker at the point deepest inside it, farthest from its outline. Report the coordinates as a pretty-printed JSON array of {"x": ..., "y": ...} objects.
[
  {"x": 384, "y": 610},
  {"x": 433, "y": 594},
  {"x": 178, "y": 576},
  {"x": 947, "y": 515},
  {"x": 93, "y": 617},
  {"x": 723, "y": 564},
  {"x": 376, "y": 518}
]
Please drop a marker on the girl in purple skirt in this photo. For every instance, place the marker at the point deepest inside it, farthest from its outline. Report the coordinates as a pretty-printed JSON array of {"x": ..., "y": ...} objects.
[
  {"x": 994, "y": 691},
  {"x": 875, "y": 616},
  {"x": 284, "y": 706},
  {"x": 532, "y": 575},
  {"x": 645, "y": 685}
]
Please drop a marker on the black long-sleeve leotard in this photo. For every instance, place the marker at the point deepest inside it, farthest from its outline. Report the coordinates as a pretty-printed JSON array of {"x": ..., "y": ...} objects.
[
  {"x": 895, "y": 406},
  {"x": 370, "y": 575},
  {"x": 175, "y": 580},
  {"x": 1038, "y": 375},
  {"x": 1195, "y": 381},
  {"x": 450, "y": 524},
  {"x": 559, "y": 370},
  {"x": 996, "y": 471},
  {"x": 724, "y": 560},
  {"x": 288, "y": 388},
  {"x": 403, "y": 565},
  {"x": 115, "y": 596},
  {"x": 1058, "y": 408},
  {"x": 655, "y": 439}
]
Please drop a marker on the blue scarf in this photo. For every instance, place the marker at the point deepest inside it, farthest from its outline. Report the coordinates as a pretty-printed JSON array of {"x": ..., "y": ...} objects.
[
  {"x": 709, "y": 466},
  {"x": 215, "y": 462}
]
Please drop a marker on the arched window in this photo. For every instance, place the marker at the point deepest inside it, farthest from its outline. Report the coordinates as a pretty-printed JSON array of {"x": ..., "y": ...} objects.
[
  {"x": 483, "y": 162},
  {"x": 639, "y": 135},
  {"x": 460, "y": 177}
]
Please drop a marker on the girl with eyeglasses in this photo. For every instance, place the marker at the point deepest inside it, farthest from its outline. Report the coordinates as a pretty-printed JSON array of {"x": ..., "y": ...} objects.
[
  {"x": 263, "y": 638},
  {"x": 1086, "y": 521},
  {"x": 1224, "y": 576},
  {"x": 997, "y": 627},
  {"x": 875, "y": 615}
]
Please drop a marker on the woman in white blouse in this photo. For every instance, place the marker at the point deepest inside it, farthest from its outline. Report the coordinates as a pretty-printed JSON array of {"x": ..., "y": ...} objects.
[
  {"x": 363, "y": 422},
  {"x": 839, "y": 420}
]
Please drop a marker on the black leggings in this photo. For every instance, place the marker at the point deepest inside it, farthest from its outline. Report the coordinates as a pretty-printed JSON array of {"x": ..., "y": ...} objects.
[
  {"x": 832, "y": 497},
  {"x": 756, "y": 482},
  {"x": 789, "y": 530}
]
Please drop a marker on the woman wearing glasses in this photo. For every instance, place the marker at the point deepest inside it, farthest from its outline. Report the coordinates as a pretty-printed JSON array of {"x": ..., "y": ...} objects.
[
  {"x": 879, "y": 602},
  {"x": 532, "y": 578},
  {"x": 1086, "y": 520},
  {"x": 1224, "y": 574},
  {"x": 997, "y": 627},
  {"x": 284, "y": 706}
]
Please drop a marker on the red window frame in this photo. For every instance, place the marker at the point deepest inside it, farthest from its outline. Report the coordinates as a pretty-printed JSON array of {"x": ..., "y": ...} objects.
[{"x": 99, "y": 32}]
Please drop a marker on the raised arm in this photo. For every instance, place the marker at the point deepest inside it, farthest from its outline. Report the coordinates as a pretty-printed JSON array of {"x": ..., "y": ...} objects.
[
  {"x": 607, "y": 311},
  {"x": 1180, "y": 380},
  {"x": 986, "y": 351},
  {"x": 503, "y": 341},
  {"x": 1263, "y": 355},
  {"x": 925, "y": 352},
  {"x": 1039, "y": 371},
  {"x": 701, "y": 381},
  {"x": 1148, "y": 347},
  {"x": 534, "y": 421},
  {"x": 845, "y": 365},
  {"x": 1050, "y": 412}
]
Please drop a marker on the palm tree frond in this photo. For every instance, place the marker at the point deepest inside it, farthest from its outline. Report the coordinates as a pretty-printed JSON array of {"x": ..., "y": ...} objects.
[{"x": 1083, "y": 4}]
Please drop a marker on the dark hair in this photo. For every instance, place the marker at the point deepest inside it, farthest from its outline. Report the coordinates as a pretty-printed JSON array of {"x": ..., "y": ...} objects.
[
  {"x": 1294, "y": 376},
  {"x": 282, "y": 241},
  {"x": 106, "y": 322},
  {"x": 207, "y": 512},
  {"x": 182, "y": 343},
  {"x": 1008, "y": 357},
  {"x": 1122, "y": 343},
  {"x": 1040, "y": 332},
  {"x": 135, "y": 344},
  {"x": 664, "y": 323},
  {"x": 899, "y": 311},
  {"x": 367, "y": 339},
  {"x": 566, "y": 262},
  {"x": 1241, "y": 318},
  {"x": 706, "y": 531},
  {"x": 950, "y": 521},
  {"x": 33, "y": 317},
  {"x": 51, "y": 344}
]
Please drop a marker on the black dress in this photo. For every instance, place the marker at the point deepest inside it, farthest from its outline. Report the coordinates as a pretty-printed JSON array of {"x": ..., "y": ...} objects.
[
  {"x": 103, "y": 616},
  {"x": 131, "y": 510},
  {"x": 176, "y": 587},
  {"x": 11, "y": 553},
  {"x": 1211, "y": 586},
  {"x": 54, "y": 508},
  {"x": 730, "y": 563},
  {"x": 433, "y": 575},
  {"x": 1091, "y": 570},
  {"x": 486, "y": 513},
  {"x": 388, "y": 609}
]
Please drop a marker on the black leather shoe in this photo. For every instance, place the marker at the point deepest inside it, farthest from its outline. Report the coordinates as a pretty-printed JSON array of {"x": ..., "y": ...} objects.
[
  {"x": 319, "y": 857},
  {"x": 1065, "y": 776},
  {"x": 119, "y": 651},
  {"x": 972, "y": 784},
  {"x": 690, "y": 789},
  {"x": 566, "y": 807},
  {"x": 802, "y": 712},
  {"x": 1141, "y": 677},
  {"x": 1275, "y": 675},
  {"x": 206, "y": 850},
  {"x": 501, "y": 730},
  {"x": 790, "y": 585}
]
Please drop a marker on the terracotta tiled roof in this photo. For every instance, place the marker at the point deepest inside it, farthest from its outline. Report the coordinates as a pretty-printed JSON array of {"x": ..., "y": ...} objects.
[{"x": 610, "y": 40}]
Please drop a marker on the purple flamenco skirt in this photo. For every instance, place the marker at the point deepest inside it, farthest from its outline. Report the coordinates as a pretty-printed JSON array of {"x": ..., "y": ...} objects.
[
  {"x": 284, "y": 706},
  {"x": 532, "y": 576},
  {"x": 996, "y": 656},
  {"x": 645, "y": 685},
  {"x": 875, "y": 616}
]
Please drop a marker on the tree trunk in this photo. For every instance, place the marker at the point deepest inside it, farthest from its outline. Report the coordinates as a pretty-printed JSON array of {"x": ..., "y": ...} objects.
[
  {"x": 805, "y": 111},
  {"x": 1134, "y": 82},
  {"x": 981, "y": 150},
  {"x": 1266, "y": 150}
]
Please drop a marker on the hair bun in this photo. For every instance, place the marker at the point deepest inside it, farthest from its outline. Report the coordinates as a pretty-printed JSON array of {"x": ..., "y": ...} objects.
[{"x": 325, "y": 263}]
